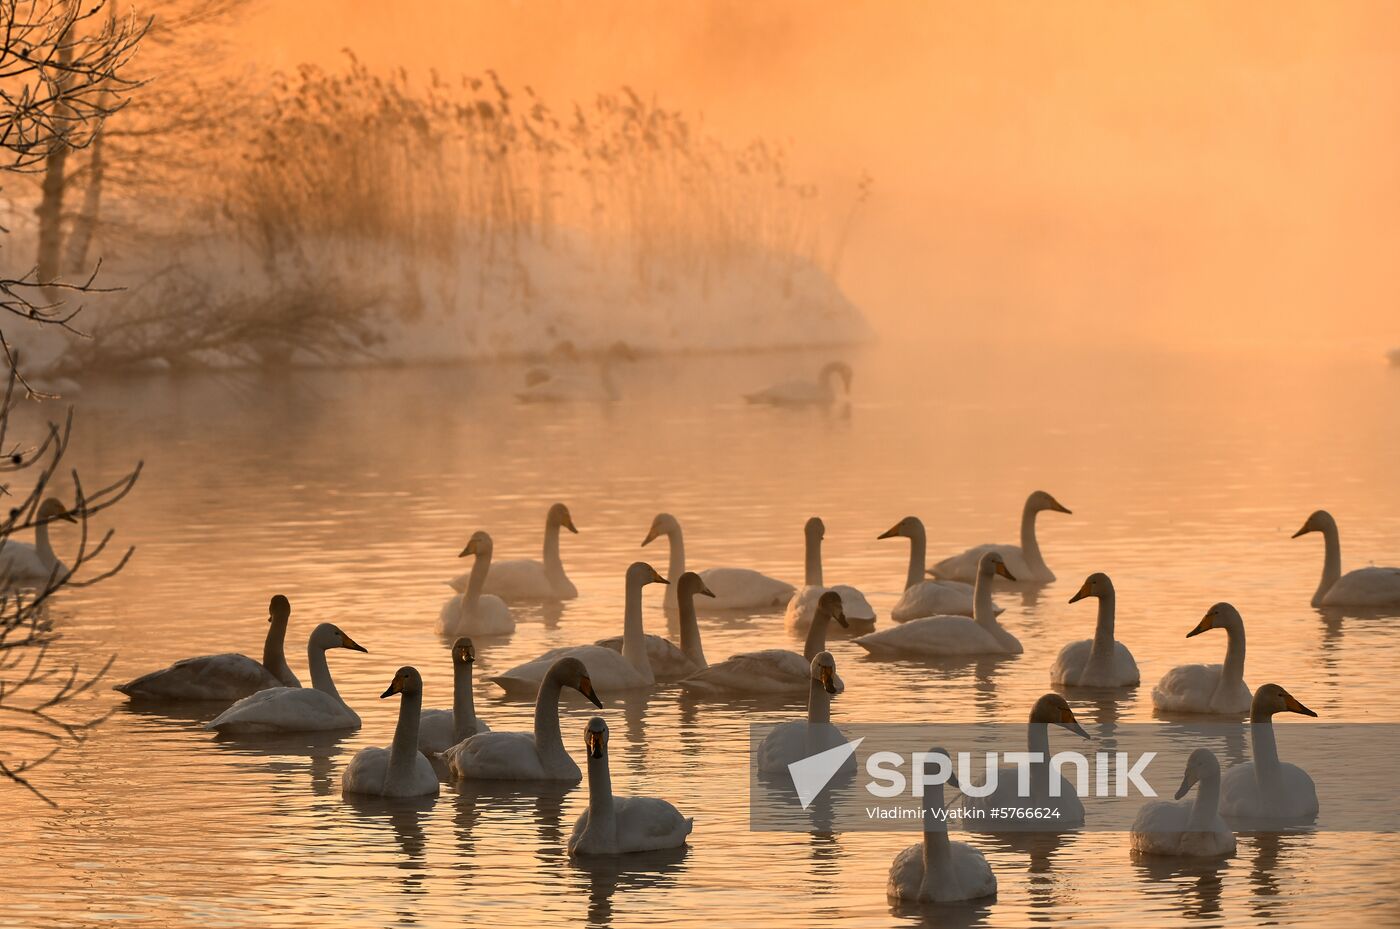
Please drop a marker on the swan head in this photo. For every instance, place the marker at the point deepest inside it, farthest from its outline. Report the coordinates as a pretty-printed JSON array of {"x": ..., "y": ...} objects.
[
  {"x": 463, "y": 651},
  {"x": 640, "y": 573},
  {"x": 1319, "y": 521},
  {"x": 52, "y": 508},
  {"x": 1040, "y": 500},
  {"x": 328, "y": 635},
  {"x": 840, "y": 369},
  {"x": 1271, "y": 698},
  {"x": 906, "y": 527},
  {"x": 537, "y": 376},
  {"x": 595, "y": 738},
  {"x": 1220, "y": 616},
  {"x": 824, "y": 671},
  {"x": 1201, "y": 765},
  {"x": 815, "y": 528},
  {"x": 559, "y": 516},
  {"x": 279, "y": 610},
  {"x": 992, "y": 563},
  {"x": 829, "y": 605},
  {"x": 406, "y": 680},
  {"x": 1095, "y": 585},
  {"x": 571, "y": 672},
  {"x": 664, "y": 524},
  {"x": 1055, "y": 710},
  {"x": 947, "y": 757},
  {"x": 479, "y": 545},
  {"x": 691, "y": 585}
]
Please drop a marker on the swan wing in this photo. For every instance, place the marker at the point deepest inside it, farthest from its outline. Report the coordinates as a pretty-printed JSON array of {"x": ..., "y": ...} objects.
[
  {"x": 743, "y": 589},
  {"x": 607, "y": 669},
  {"x": 227, "y": 676},
  {"x": 1374, "y": 587},
  {"x": 934, "y": 598},
  {"x": 1192, "y": 688},
  {"x": 934, "y": 636},
  {"x": 668, "y": 662},
  {"x": 647, "y": 824},
  {"x": 286, "y": 709},
  {"x": 773, "y": 670},
  {"x": 963, "y": 566},
  {"x": 803, "y": 606}
]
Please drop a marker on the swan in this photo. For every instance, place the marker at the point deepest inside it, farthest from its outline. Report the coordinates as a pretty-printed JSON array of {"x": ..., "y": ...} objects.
[
  {"x": 544, "y": 386},
  {"x": 1101, "y": 661},
  {"x": 629, "y": 669},
  {"x": 773, "y": 670},
  {"x": 297, "y": 709},
  {"x": 948, "y": 636},
  {"x": 1051, "y": 709},
  {"x": 526, "y": 578},
  {"x": 621, "y": 825},
  {"x": 525, "y": 756},
  {"x": 821, "y": 392},
  {"x": 1187, "y": 828},
  {"x": 668, "y": 663},
  {"x": 475, "y": 613},
  {"x": 1374, "y": 587},
  {"x": 399, "y": 770},
  {"x": 937, "y": 870},
  {"x": 25, "y": 565},
  {"x": 439, "y": 730},
  {"x": 925, "y": 597},
  {"x": 803, "y": 606},
  {"x": 226, "y": 676},
  {"x": 798, "y": 738},
  {"x": 735, "y": 588},
  {"x": 1024, "y": 560},
  {"x": 1210, "y": 689},
  {"x": 1394, "y": 356},
  {"x": 1267, "y": 788}
]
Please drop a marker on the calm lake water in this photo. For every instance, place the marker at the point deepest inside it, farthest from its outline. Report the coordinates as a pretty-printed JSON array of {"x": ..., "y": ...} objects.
[{"x": 352, "y": 492}]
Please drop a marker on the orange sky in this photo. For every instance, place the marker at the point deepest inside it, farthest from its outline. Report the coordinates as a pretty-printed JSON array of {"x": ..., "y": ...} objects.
[{"x": 1196, "y": 173}]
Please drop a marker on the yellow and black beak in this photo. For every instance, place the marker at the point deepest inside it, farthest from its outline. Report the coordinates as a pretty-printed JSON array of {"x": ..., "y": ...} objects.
[
  {"x": 828, "y": 680},
  {"x": 1059, "y": 507},
  {"x": 1004, "y": 571},
  {"x": 1187, "y": 783},
  {"x": 652, "y": 533},
  {"x": 595, "y": 744},
  {"x": 1307, "y": 527},
  {"x": 466, "y": 655},
  {"x": 891, "y": 532},
  {"x": 585, "y": 687},
  {"x": 469, "y": 550},
  {"x": 705, "y": 591},
  {"x": 1069, "y": 722},
  {"x": 568, "y": 523},
  {"x": 395, "y": 687},
  {"x": 656, "y": 578},
  {"x": 1291, "y": 704},
  {"x": 1083, "y": 592},
  {"x": 347, "y": 642},
  {"x": 840, "y": 616},
  {"x": 1207, "y": 623}
]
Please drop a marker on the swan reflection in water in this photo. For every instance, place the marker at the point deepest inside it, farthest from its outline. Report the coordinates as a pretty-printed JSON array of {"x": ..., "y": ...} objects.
[
  {"x": 291, "y": 755},
  {"x": 641, "y": 876},
  {"x": 1194, "y": 884},
  {"x": 405, "y": 818}
]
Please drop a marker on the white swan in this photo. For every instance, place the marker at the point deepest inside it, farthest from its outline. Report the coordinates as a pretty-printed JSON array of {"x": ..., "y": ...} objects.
[
  {"x": 472, "y": 612},
  {"x": 821, "y": 392},
  {"x": 620, "y": 825},
  {"x": 951, "y": 636},
  {"x": 1024, "y": 560},
  {"x": 1267, "y": 788},
  {"x": 544, "y": 386},
  {"x": 1049, "y": 710},
  {"x": 526, "y": 578},
  {"x": 1209, "y": 689},
  {"x": 803, "y": 606},
  {"x": 773, "y": 670},
  {"x": 228, "y": 676},
  {"x": 526, "y": 756},
  {"x": 735, "y": 588},
  {"x": 1101, "y": 661},
  {"x": 25, "y": 565},
  {"x": 797, "y": 739},
  {"x": 937, "y": 870},
  {"x": 1187, "y": 828},
  {"x": 399, "y": 770},
  {"x": 297, "y": 709},
  {"x": 629, "y": 669},
  {"x": 439, "y": 730},
  {"x": 925, "y": 597},
  {"x": 1364, "y": 587},
  {"x": 669, "y": 663}
]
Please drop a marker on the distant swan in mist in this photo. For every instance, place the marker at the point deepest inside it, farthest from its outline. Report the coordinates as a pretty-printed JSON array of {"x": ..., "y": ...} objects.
[
  {"x": 473, "y": 612},
  {"x": 25, "y": 565},
  {"x": 399, "y": 770},
  {"x": 613, "y": 825},
  {"x": 734, "y": 588},
  {"x": 1394, "y": 356},
  {"x": 773, "y": 670},
  {"x": 1266, "y": 788},
  {"x": 297, "y": 709},
  {"x": 439, "y": 730},
  {"x": 1364, "y": 587},
  {"x": 797, "y": 739},
  {"x": 821, "y": 392},
  {"x": 1049, "y": 710},
  {"x": 226, "y": 677},
  {"x": 1101, "y": 661},
  {"x": 1024, "y": 560},
  {"x": 1188, "y": 828},
  {"x": 525, "y": 578},
  {"x": 581, "y": 385},
  {"x": 937, "y": 870},
  {"x": 803, "y": 606},
  {"x": 952, "y": 636},
  {"x": 925, "y": 597},
  {"x": 1217, "y": 689}
]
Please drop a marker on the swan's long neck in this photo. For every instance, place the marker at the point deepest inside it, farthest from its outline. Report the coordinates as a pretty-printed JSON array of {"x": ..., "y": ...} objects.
[
  {"x": 1101, "y": 652},
  {"x": 1029, "y": 546},
  {"x": 1331, "y": 562},
  {"x": 43, "y": 548},
  {"x": 1266, "y": 764},
  {"x": 983, "y": 610},
  {"x": 818, "y": 703},
  {"x": 602, "y": 820},
  {"x": 403, "y": 754},
  {"x": 553, "y": 564},
  {"x": 547, "y": 737},
  {"x": 918, "y": 551},
  {"x": 634, "y": 640},
  {"x": 814, "y": 560},
  {"x": 274, "y": 651},
  {"x": 320, "y": 671},
  {"x": 816, "y": 635},
  {"x": 937, "y": 852},
  {"x": 463, "y": 707},
  {"x": 1233, "y": 670},
  {"x": 1207, "y": 805},
  {"x": 1038, "y": 742},
  {"x": 690, "y": 633},
  {"x": 480, "y": 567},
  {"x": 677, "y": 563}
]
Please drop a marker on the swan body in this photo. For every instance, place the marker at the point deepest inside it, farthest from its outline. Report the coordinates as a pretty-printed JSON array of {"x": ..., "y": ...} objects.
[
  {"x": 472, "y": 612},
  {"x": 26, "y": 565},
  {"x": 1217, "y": 689},
  {"x": 1049, "y": 710},
  {"x": 1187, "y": 828},
  {"x": 772, "y": 670},
  {"x": 1024, "y": 560},
  {"x": 1101, "y": 661},
  {"x": 545, "y": 386},
  {"x": 527, "y": 756},
  {"x": 797, "y": 739},
  {"x": 227, "y": 676},
  {"x": 937, "y": 870},
  {"x": 1364, "y": 587},
  {"x": 439, "y": 730},
  {"x": 922, "y": 597},
  {"x": 399, "y": 770},
  {"x": 803, "y": 605},
  {"x": 821, "y": 392},
  {"x": 668, "y": 662},
  {"x": 734, "y": 588},
  {"x": 951, "y": 636},
  {"x": 523, "y": 579},
  {"x": 316, "y": 708},
  {"x": 614, "y": 825},
  {"x": 1267, "y": 788}
]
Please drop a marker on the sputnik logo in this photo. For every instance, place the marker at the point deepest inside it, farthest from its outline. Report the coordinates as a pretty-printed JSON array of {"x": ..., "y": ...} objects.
[{"x": 810, "y": 775}]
